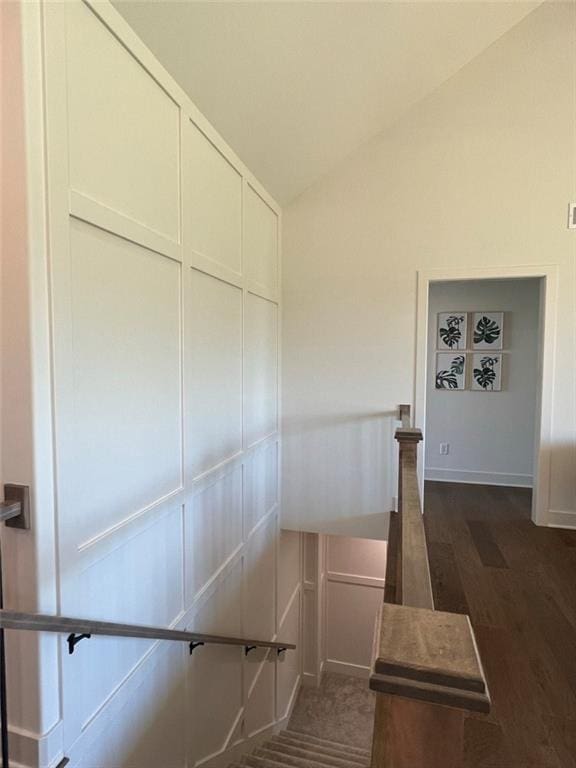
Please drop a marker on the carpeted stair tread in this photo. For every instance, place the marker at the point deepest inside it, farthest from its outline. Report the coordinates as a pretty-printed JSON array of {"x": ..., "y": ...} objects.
[
  {"x": 292, "y": 749},
  {"x": 333, "y": 751},
  {"x": 302, "y": 760},
  {"x": 364, "y": 753},
  {"x": 330, "y": 756},
  {"x": 262, "y": 762}
]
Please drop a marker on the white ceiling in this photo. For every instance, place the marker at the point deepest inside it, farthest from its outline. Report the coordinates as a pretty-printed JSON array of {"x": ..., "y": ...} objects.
[{"x": 294, "y": 87}]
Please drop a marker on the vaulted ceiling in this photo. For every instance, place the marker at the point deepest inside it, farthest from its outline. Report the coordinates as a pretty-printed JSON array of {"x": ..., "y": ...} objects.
[{"x": 295, "y": 87}]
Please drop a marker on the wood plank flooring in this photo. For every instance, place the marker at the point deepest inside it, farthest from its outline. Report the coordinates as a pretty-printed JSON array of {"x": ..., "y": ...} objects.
[{"x": 518, "y": 584}]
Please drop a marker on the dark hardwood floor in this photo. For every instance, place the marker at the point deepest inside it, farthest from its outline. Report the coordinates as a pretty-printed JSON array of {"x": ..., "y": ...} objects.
[{"x": 518, "y": 584}]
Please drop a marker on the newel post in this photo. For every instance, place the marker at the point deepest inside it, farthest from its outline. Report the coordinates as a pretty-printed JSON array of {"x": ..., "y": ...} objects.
[
  {"x": 427, "y": 674},
  {"x": 408, "y": 439}
]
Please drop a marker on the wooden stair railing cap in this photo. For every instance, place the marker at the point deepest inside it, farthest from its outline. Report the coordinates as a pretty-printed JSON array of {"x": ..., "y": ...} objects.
[
  {"x": 429, "y": 656},
  {"x": 408, "y": 435}
]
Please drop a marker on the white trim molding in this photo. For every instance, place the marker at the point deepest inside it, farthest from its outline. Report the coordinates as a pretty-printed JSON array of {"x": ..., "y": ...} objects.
[
  {"x": 356, "y": 580},
  {"x": 232, "y": 753},
  {"x": 477, "y": 477},
  {"x": 558, "y": 518},
  {"x": 28, "y": 748},
  {"x": 548, "y": 332},
  {"x": 345, "y": 668}
]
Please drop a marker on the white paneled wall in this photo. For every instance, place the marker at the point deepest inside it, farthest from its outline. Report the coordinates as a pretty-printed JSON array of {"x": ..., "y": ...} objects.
[
  {"x": 343, "y": 588},
  {"x": 260, "y": 368},
  {"x": 215, "y": 371},
  {"x": 260, "y": 238},
  {"x": 354, "y": 590},
  {"x": 164, "y": 266},
  {"x": 122, "y": 128}
]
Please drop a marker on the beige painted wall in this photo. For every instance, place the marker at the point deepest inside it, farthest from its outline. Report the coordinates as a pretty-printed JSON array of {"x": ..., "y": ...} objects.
[{"x": 479, "y": 174}]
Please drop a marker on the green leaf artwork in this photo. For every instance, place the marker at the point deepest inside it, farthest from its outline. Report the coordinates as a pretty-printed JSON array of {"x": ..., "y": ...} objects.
[
  {"x": 457, "y": 365},
  {"x": 486, "y": 330},
  {"x": 485, "y": 376},
  {"x": 451, "y": 333},
  {"x": 448, "y": 378}
]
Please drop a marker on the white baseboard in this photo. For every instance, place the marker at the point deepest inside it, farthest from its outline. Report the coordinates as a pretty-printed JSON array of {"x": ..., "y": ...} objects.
[
  {"x": 344, "y": 668},
  {"x": 310, "y": 680},
  {"x": 477, "y": 477},
  {"x": 32, "y": 749},
  {"x": 561, "y": 519}
]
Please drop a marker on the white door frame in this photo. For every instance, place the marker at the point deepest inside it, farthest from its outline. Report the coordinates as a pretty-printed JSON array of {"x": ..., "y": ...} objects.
[{"x": 548, "y": 321}]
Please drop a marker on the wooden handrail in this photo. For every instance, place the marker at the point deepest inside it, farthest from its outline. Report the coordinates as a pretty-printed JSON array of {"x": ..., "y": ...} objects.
[
  {"x": 425, "y": 664},
  {"x": 416, "y": 583},
  {"x": 37, "y": 622}
]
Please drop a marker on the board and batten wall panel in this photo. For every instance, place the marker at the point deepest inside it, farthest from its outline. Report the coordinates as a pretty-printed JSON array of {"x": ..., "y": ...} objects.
[
  {"x": 261, "y": 367},
  {"x": 214, "y": 346},
  {"x": 260, "y": 242},
  {"x": 216, "y": 679},
  {"x": 165, "y": 276},
  {"x": 354, "y": 576},
  {"x": 288, "y": 668},
  {"x": 124, "y": 355},
  {"x": 212, "y": 223},
  {"x": 290, "y": 618},
  {"x": 138, "y": 731},
  {"x": 119, "y": 115}
]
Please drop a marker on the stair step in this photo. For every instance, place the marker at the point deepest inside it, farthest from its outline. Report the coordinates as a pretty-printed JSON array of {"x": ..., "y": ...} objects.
[
  {"x": 334, "y": 750},
  {"x": 302, "y": 760},
  {"x": 328, "y": 755},
  {"x": 262, "y": 762},
  {"x": 305, "y": 737}
]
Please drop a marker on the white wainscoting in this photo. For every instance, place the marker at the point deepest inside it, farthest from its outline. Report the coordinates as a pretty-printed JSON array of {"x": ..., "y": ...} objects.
[
  {"x": 165, "y": 321},
  {"x": 354, "y": 590}
]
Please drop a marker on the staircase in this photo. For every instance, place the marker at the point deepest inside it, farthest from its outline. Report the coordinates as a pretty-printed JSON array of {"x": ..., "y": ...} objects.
[{"x": 290, "y": 749}]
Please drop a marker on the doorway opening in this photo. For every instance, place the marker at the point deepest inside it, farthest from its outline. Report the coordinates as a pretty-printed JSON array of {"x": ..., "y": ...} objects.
[{"x": 482, "y": 393}]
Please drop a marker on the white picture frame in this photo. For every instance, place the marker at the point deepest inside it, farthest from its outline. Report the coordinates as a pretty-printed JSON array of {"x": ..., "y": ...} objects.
[
  {"x": 452, "y": 331},
  {"x": 450, "y": 372},
  {"x": 486, "y": 372},
  {"x": 487, "y": 330}
]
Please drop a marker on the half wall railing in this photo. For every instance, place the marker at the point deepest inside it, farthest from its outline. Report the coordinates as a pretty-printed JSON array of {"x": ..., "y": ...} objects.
[{"x": 426, "y": 668}]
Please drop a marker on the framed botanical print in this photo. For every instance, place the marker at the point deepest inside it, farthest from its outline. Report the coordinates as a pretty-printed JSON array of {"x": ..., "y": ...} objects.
[
  {"x": 487, "y": 330},
  {"x": 486, "y": 372},
  {"x": 452, "y": 332},
  {"x": 450, "y": 371}
]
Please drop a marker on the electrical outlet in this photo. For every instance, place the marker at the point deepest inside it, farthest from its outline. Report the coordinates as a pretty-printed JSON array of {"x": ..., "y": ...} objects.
[{"x": 444, "y": 449}]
